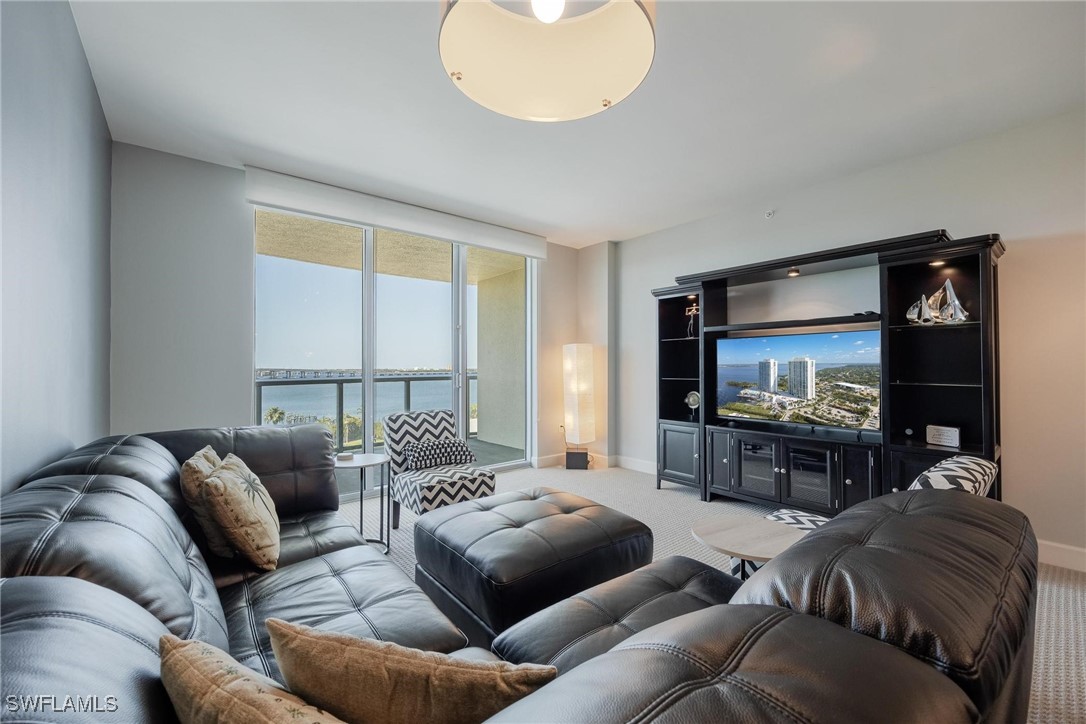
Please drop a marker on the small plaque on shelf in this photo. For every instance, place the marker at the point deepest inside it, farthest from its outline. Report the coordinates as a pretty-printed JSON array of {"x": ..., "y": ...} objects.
[{"x": 947, "y": 436}]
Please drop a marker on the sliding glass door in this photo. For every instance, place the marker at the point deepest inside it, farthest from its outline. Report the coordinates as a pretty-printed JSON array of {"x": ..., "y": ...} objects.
[
  {"x": 413, "y": 325},
  {"x": 309, "y": 351},
  {"x": 495, "y": 319},
  {"x": 354, "y": 323}
]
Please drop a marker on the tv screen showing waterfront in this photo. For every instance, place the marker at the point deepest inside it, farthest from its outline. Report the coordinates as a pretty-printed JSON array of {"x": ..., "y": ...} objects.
[{"x": 827, "y": 378}]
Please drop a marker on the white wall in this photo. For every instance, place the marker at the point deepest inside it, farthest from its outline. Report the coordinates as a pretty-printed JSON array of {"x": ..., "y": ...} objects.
[
  {"x": 557, "y": 326},
  {"x": 182, "y": 270},
  {"x": 833, "y": 294},
  {"x": 56, "y": 167},
  {"x": 1029, "y": 185},
  {"x": 595, "y": 325}
]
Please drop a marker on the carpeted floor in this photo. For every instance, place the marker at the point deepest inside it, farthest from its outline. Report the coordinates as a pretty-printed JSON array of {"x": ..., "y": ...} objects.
[{"x": 1059, "y": 674}]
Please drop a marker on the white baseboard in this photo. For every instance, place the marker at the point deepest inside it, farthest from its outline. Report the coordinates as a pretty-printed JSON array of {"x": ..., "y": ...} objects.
[
  {"x": 549, "y": 461},
  {"x": 599, "y": 462},
  {"x": 1062, "y": 555},
  {"x": 636, "y": 464}
]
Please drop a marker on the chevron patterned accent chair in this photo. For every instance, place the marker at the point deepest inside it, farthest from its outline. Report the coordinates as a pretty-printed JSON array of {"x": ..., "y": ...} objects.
[{"x": 425, "y": 489}]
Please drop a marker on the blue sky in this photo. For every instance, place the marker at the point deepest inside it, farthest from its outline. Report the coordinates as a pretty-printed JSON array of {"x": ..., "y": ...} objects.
[
  {"x": 310, "y": 315},
  {"x": 855, "y": 347}
]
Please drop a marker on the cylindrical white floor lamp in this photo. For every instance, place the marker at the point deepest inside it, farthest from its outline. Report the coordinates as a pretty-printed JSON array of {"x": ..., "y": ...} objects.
[{"x": 580, "y": 412}]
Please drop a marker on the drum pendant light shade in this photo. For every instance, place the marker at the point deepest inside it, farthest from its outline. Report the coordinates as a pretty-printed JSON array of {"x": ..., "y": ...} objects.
[{"x": 523, "y": 68}]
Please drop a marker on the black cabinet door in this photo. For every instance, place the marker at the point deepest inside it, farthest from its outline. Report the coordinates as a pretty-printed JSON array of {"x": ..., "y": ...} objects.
[
  {"x": 718, "y": 451},
  {"x": 679, "y": 454},
  {"x": 857, "y": 475},
  {"x": 807, "y": 475},
  {"x": 755, "y": 468}
]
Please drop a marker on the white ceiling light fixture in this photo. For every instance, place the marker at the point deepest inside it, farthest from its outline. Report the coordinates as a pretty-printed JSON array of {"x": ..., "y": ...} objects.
[
  {"x": 547, "y": 11},
  {"x": 553, "y": 65}
]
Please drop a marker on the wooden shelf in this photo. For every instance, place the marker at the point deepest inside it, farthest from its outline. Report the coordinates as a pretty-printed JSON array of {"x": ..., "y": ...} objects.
[
  {"x": 920, "y": 445},
  {"x": 794, "y": 323},
  {"x": 935, "y": 384},
  {"x": 681, "y": 339},
  {"x": 960, "y": 325}
]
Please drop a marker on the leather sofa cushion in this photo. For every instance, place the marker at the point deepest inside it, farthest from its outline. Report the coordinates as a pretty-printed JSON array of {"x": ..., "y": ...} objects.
[
  {"x": 296, "y": 464},
  {"x": 356, "y": 591},
  {"x": 748, "y": 664},
  {"x": 947, "y": 577},
  {"x": 68, "y": 637},
  {"x": 115, "y": 532},
  {"x": 584, "y": 626},
  {"x": 301, "y": 536},
  {"x": 130, "y": 456},
  {"x": 510, "y": 555}
]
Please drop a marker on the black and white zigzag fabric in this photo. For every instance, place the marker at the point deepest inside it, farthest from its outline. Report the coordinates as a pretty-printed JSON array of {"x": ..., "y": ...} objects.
[
  {"x": 797, "y": 518},
  {"x": 431, "y": 453},
  {"x": 961, "y": 472},
  {"x": 794, "y": 518},
  {"x": 403, "y": 428},
  {"x": 423, "y": 490}
]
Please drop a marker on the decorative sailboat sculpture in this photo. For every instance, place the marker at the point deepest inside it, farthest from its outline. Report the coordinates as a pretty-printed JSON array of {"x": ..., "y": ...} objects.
[
  {"x": 933, "y": 310},
  {"x": 952, "y": 312}
]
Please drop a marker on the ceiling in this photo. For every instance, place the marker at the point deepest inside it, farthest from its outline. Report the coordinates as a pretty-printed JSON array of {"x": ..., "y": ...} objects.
[{"x": 744, "y": 101}]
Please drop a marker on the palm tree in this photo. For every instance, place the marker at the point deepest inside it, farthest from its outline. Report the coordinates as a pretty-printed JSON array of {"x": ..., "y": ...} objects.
[
  {"x": 274, "y": 415},
  {"x": 352, "y": 428}
]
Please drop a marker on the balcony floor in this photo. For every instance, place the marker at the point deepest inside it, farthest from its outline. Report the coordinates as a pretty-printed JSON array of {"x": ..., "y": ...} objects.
[{"x": 490, "y": 453}]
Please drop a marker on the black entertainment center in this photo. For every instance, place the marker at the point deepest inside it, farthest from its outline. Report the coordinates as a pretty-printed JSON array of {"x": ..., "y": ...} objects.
[{"x": 770, "y": 431}]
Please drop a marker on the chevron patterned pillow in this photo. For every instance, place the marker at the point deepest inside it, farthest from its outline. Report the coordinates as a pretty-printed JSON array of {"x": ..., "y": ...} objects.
[
  {"x": 431, "y": 453},
  {"x": 797, "y": 518},
  {"x": 961, "y": 472}
]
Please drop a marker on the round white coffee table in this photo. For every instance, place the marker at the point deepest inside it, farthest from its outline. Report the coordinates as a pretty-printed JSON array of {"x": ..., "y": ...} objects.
[
  {"x": 746, "y": 537},
  {"x": 361, "y": 461}
]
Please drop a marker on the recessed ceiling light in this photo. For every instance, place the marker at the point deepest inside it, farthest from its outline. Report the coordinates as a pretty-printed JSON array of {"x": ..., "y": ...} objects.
[
  {"x": 937, "y": 262},
  {"x": 793, "y": 272}
]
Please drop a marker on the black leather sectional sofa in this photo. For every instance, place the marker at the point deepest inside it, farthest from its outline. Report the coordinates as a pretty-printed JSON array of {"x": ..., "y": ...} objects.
[{"x": 913, "y": 607}]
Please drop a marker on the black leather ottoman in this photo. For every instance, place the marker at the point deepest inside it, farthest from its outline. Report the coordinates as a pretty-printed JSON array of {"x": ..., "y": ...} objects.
[
  {"x": 492, "y": 562},
  {"x": 593, "y": 622}
]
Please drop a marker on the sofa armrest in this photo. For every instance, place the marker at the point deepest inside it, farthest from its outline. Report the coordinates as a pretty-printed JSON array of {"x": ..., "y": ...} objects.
[
  {"x": 748, "y": 663},
  {"x": 947, "y": 577},
  {"x": 295, "y": 463}
]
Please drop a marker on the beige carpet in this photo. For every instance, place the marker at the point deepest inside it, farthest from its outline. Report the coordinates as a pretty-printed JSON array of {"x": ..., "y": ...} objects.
[{"x": 1059, "y": 674}]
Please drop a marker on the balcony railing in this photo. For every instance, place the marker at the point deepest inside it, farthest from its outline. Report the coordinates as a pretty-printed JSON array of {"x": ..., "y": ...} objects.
[{"x": 347, "y": 427}]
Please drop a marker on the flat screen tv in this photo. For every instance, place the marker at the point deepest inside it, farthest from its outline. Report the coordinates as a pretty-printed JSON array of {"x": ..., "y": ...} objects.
[{"x": 823, "y": 378}]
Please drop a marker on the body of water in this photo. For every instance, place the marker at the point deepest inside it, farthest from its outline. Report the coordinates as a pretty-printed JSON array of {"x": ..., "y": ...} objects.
[{"x": 319, "y": 400}]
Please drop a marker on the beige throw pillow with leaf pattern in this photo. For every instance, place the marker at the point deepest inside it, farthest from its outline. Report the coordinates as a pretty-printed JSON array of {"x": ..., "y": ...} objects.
[
  {"x": 379, "y": 682},
  {"x": 194, "y": 472},
  {"x": 244, "y": 511},
  {"x": 207, "y": 686}
]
